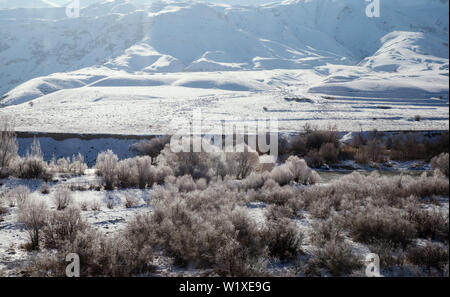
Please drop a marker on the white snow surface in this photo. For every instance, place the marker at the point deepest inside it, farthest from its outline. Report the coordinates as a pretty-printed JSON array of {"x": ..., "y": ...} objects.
[{"x": 133, "y": 66}]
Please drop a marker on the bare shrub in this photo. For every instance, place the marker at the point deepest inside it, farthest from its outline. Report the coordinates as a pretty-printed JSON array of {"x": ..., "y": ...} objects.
[
  {"x": 95, "y": 205},
  {"x": 314, "y": 159},
  {"x": 317, "y": 138},
  {"x": 329, "y": 153},
  {"x": 362, "y": 155},
  {"x": 62, "y": 226},
  {"x": 283, "y": 145},
  {"x": 441, "y": 163},
  {"x": 84, "y": 205},
  {"x": 106, "y": 165},
  {"x": 241, "y": 164},
  {"x": 131, "y": 201},
  {"x": 432, "y": 255},
  {"x": 33, "y": 215},
  {"x": 297, "y": 146},
  {"x": 336, "y": 257},
  {"x": 151, "y": 148},
  {"x": 3, "y": 212},
  {"x": 284, "y": 239},
  {"x": 62, "y": 197}
]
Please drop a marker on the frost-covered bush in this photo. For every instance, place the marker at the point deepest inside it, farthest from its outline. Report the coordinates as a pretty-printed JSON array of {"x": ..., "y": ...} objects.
[
  {"x": 100, "y": 255},
  {"x": 32, "y": 166},
  {"x": 62, "y": 197},
  {"x": 33, "y": 214},
  {"x": 282, "y": 175},
  {"x": 431, "y": 255},
  {"x": 233, "y": 260},
  {"x": 73, "y": 166},
  {"x": 275, "y": 212},
  {"x": 209, "y": 165},
  {"x": 330, "y": 230},
  {"x": 389, "y": 190},
  {"x": 20, "y": 194},
  {"x": 139, "y": 172},
  {"x": 430, "y": 224},
  {"x": 194, "y": 226},
  {"x": 337, "y": 258},
  {"x": 186, "y": 183},
  {"x": 440, "y": 162},
  {"x": 255, "y": 180},
  {"x": 106, "y": 165},
  {"x": 95, "y": 205},
  {"x": 273, "y": 193},
  {"x": 196, "y": 165},
  {"x": 3, "y": 209},
  {"x": 372, "y": 224},
  {"x": 294, "y": 169},
  {"x": 8, "y": 145},
  {"x": 131, "y": 201},
  {"x": 283, "y": 238},
  {"x": 62, "y": 227}
]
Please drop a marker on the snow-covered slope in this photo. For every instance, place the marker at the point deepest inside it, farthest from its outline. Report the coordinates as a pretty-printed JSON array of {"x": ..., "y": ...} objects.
[{"x": 331, "y": 45}]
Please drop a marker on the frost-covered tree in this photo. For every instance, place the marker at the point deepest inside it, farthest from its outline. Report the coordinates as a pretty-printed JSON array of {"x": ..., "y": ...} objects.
[{"x": 8, "y": 142}]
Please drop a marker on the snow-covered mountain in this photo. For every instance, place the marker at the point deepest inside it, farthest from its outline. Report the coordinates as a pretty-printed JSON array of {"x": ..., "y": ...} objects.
[{"x": 131, "y": 43}]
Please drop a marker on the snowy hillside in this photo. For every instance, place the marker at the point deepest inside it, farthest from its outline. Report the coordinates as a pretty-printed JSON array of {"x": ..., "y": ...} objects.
[{"x": 332, "y": 46}]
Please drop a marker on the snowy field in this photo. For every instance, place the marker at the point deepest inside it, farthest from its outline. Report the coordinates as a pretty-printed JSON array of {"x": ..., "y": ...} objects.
[
  {"x": 132, "y": 67},
  {"x": 136, "y": 107}
]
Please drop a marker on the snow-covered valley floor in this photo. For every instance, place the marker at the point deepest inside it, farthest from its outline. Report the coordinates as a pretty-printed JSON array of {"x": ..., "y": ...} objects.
[{"x": 138, "y": 108}]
